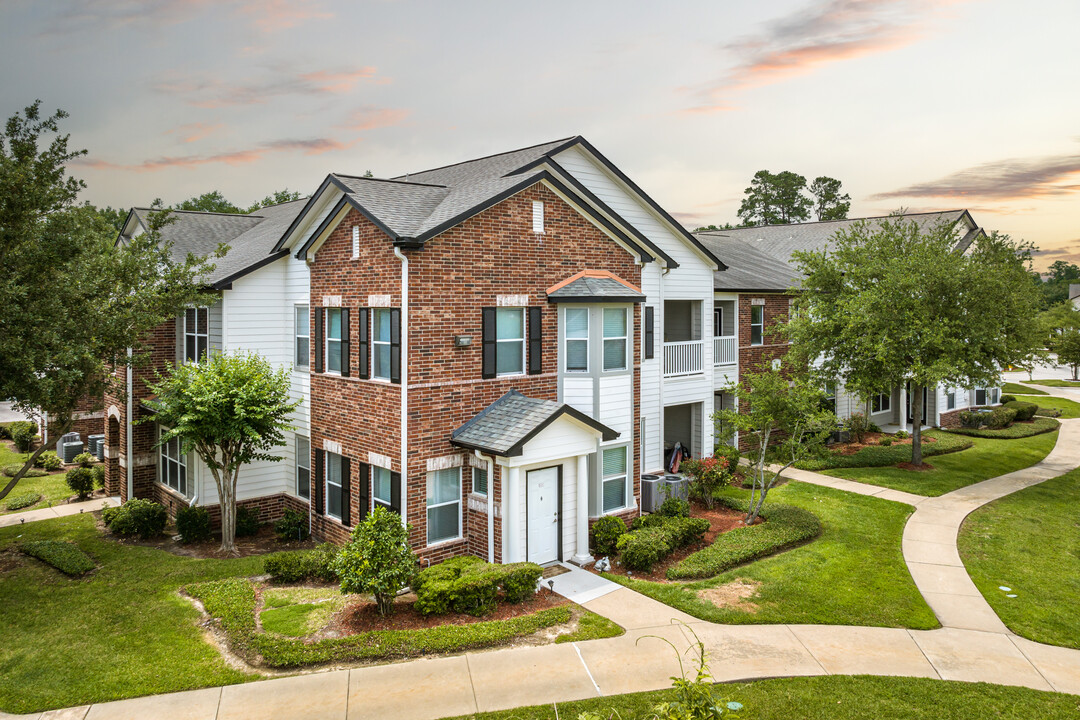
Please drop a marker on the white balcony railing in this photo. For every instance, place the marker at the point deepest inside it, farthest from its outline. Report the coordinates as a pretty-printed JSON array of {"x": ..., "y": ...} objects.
[
  {"x": 725, "y": 350},
  {"x": 683, "y": 358}
]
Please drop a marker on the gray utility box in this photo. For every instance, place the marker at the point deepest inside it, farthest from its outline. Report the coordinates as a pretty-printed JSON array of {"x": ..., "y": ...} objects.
[
  {"x": 66, "y": 438},
  {"x": 675, "y": 486},
  {"x": 71, "y": 449},
  {"x": 650, "y": 493}
]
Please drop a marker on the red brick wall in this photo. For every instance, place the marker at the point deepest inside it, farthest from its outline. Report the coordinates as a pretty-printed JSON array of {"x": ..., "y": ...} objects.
[
  {"x": 751, "y": 357},
  {"x": 951, "y": 419}
]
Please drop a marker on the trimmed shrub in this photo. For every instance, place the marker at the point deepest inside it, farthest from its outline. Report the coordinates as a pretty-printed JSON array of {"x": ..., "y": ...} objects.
[
  {"x": 23, "y": 434},
  {"x": 1006, "y": 399},
  {"x": 193, "y": 524},
  {"x": 247, "y": 521},
  {"x": 729, "y": 453},
  {"x": 858, "y": 426},
  {"x": 64, "y": 556},
  {"x": 882, "y": 456},
  {"x": 84, "y": 459},
  {"x": 902, "y": 434},
  {"x": 469, "y": 585},
  {"x": 519, "y": 581},
  {"x": 1000, "y": 417},
  {"x": 885, "y": 441},
  {"x": 1037, "y": 426},
  {"x": 24, "y": 500},
  {"x": 99, "y": 475},
  {"x": 48, "y": 460},
  {"x": 81, "y": 481},
  {"x": 295, "y": 566},
  {"x": 873, "y": 427},
  {"x": 378, "y": 559},
  {"x": 1024, "y": 410},
  {"x": 972, "y": 419},
  {"x": 641, "y": 549},
  {"x": 605, "y": 534},
  {"x": 293, "y": 525},
  {"x": 674, "y": 507},
  {"x": 11, "y": 470},
  {"x": 144, "y": 518},
  {"x": 1048, "y": 412}
]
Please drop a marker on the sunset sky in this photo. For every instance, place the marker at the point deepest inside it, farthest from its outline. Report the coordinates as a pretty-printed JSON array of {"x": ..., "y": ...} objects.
[{"x": 911, "y": 103}]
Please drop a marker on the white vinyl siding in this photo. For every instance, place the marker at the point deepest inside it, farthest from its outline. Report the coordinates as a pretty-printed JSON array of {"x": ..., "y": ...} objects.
[
  {"x": 303, "y": 467},
  {"x": 577, "y": 339},
  {"x": 509, "y": 341},
  {"x": 950, "y": 400},
  {"x": 380, "y": 345},
  {"x": 615, "y": 334},
  {"x": 333, "y": 340},
  {"x": 614, "y": 479},
  {"x": 380, "y": 486},
  {"x": 302, "y": 336},
  {"x": 333, "y": 485},
  {"x": 443, "y": 505}
]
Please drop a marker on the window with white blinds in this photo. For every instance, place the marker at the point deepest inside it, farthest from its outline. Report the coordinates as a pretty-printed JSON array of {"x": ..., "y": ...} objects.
[
  {"x": 615, "y": 338},
  {"x": 614, "y": 476},
  {"x": 443, "y": 505},
  {"x": 577, "y": 339}
]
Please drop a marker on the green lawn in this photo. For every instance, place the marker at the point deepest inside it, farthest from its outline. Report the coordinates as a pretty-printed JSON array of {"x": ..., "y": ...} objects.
[
  {"x": 1058, "y": 383},
  {"x": 1018, "y": 389},
  {"x": 852, "y": 574},
  {"x": 122, "y": 631},
  {"x": 1028, "y": 542},
  {"x": 1069, "y": 408},
  {"x": 835, "y": 697},
  {"x": 986, "y": 459},
  {"x": 52, "y": 488}
]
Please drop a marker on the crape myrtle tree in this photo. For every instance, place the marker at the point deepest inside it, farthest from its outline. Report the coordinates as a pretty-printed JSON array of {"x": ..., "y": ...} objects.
[
  {"x": 889, "y": 303},
  {"x": 72, "y": 300},
  {"x": 1067, "y": 347},
  {"x": 230, "y": 409}
]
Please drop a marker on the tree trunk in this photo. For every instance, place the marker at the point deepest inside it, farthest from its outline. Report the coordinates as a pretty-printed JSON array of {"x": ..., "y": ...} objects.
[
  {"x": 916, "y": 425},
  {"x": 30, "y": 463},
  {"x": 226, "y": 487}
]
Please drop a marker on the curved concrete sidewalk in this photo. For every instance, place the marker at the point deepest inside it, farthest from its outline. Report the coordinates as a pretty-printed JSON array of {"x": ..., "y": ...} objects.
[
  {"x": 58, "y": 511},
  {"x": 972, "y": 645}
]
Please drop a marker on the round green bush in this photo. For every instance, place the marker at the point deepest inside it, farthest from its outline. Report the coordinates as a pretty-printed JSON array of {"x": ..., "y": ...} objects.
[
  {"x": 1000, "y": 417},
  {"x": 1006, "y": 399},
  {"x": 84, "y": 459},
  {"x": 247, "y": 521},
  {"x": 885, "y": 441},
  {"x": 23, "y": 434},
  {"x": 99, "y": 475},
  {"x": 293, "y": 525},
  {"x": 144, "y": 518},
  {"x": 643, "y": 548},
  {"x": 193, "y": 524},
  {"x": 378, "y": 560},
  {"x": 48, "y": 460},
  {"x": 674, "y": 507},
  {"x": 1024, "y": 410},
  {"x": 605, "y": 534},
  {"x": 81, "y": 481}
]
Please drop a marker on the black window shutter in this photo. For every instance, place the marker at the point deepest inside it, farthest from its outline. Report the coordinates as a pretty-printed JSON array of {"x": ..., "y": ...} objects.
[
  {"x": 319, "y": 482},
  {"x": 650, "y": 331},
  {"x": 346, "y": 492},
  {"x": 488, "y": 343},
  {"x": 395, "y": 345},
  {"x": 319, "y": 314},
  {"x": 536, "y": 333},
  {"x": 345, "y": 356},
  {"x": 362, "y": 316},
  {"x": 363, "y": 481},
  {"x": 395, "y": 492}
]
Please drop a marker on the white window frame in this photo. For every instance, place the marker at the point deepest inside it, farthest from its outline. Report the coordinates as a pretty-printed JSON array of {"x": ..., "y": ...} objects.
[
  {"x": 196, "y": 333},
  {"x": 567, "y": 339},
  {"x": 329, "y": 340},
  {"x": 428, "y": 508},
  {"x": 950, "y": 400},
  {"x": 377, "y": 472},
  {"x": 166, "y": 460},
  {"x": 376, "y": 344},
  {"x": 500, "y": 343},
  {"x": 487, "y": 482},
  {"x": 760, "y": 325},
  {"x": 884, "y": 403},
  {"x": 605, "y": 338},
  {"x": 628, "y": 490},
  {"x": 330, "y": 459},
  {"x": 298, "y": 311},
  {"x": 303, "y": 463}
]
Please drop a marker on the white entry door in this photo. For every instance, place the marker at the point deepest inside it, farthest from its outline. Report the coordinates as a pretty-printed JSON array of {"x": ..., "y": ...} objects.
[{"x": 543, "y": 519}]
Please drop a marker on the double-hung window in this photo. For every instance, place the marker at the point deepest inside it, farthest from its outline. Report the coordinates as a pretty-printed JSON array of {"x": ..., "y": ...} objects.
[
  {"x": 443, "y": 505},
  {"x": 380, "y": 486},
  {"x": 509, "y": 341},
  {"x": 302, "y": 332},
  {"x": 196, "y": 333},
  {"x": 615, "y": 335},
  {"x": 577, "y": 339},
  {"x": 333, "y": 340},
  {"x": 380, "y": 345},
  {"x": 172, "y": 466},
  {"x": 881, "y": 402},
  {"x": 303, "y": 467},
  {"x": 950, "y": 400},
  {"x": 613, "y": 479},
  {"x": 333, "y": 485},
  {"x": 479, "y": 481},
  {"x": 980, "y": 396},
  {"x": 757, "y": 324}
]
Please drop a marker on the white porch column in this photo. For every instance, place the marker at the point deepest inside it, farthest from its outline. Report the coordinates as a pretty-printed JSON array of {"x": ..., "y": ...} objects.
[
  {"x": 512, "y": 515},
  {"x": 582, "y": 555},
  {"x": 903, "y": 407}
]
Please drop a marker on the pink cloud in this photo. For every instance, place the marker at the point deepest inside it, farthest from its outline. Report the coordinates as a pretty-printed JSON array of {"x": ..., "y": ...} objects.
[
  {"x": 265, "y": 15},
  {"x": 210, "y": 92},
  {"x": 192, "y": 132},
  {"x": 273, "y": 15},
  {"x": 315, "y": 146},
  {"x": 370, "y": 118}
]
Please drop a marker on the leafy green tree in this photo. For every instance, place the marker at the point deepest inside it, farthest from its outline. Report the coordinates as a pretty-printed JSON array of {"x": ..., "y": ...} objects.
[
  {"x": 71, "y": 302},
  {"x": 775, "y": 199},
  {"x": 378, "y": 559},
  {"x": 1067, "y": 347},
  {"x": 113, "y": 217},
  {"x": 231, "y": 409},
  {"x": 887, "y": 303},
  {"x": 278, "y": 197},
  {"x": 1055, "y": 286},
  {"x": 713, "y": 228},
  {"x": 782, "y": 419},
  {"x": 212, "y": 201},
  {"x": 829, "y": 203}
]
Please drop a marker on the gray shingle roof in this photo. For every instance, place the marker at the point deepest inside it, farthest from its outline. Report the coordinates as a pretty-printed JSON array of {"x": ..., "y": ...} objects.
[
  {"x": 507, "y": 424},
  {"x": 589, "y": 287},
  {"x": 748, "y": 268}
]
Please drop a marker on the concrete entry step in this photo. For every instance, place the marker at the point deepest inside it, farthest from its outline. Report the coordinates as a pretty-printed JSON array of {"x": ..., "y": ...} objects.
[{"x": 577, "y": 585}]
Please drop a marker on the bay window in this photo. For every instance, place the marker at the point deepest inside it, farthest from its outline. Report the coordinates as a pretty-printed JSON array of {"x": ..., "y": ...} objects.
[
  {"x": 615, "y": 335},
  {"x": 614, "y": 479},
  {"x": 577, "y": 339}
]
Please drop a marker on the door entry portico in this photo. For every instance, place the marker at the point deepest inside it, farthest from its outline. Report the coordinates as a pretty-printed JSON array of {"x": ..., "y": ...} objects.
[{"x": 542, "y": 499}]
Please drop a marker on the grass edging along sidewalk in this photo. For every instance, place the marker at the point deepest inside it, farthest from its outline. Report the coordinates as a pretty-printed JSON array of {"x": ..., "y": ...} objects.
[
  {"x": 786, "y": 526},
  {"x": 986, "y": 458},
  {"x": 1057, "y": 383},
  {"x": 853, "y": 574},
  {"x": 1018, "y": 389},
  {"x": 232, "y": 603},
  {"x": 1037, "y": 426},
  {"x": 1027, "y": 542},
  {"x": 883, "y": 456},
  {"x": 1069, "y": 408},
  {"x": 835, "y": 697}
]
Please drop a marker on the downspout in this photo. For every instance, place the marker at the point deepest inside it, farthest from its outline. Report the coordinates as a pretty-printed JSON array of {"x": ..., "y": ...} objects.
[
  {"x": 404, "y": 381},
  {"x": 130, "y": 444},
  {"x": 490, "y": 504},
  {"x": 663, "y": 274}
]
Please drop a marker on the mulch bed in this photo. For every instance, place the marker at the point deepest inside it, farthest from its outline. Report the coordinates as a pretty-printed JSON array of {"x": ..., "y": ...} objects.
[
  {"x": 364, "y": 617},
  {"x": 872, "y": 440},
  {"x": 263, "y": 542},
  {"x": 721, "y": 520},
  {"x": 915, "y": 468}
]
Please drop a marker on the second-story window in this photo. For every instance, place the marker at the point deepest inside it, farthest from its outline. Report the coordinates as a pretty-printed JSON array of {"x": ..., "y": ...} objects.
[
  {"x": 380, "y": 486},
  {"x": 510, "y": 341},
  {"x": 333, "y": 340},
  {"x": 196, "y": 333},
  {"x": 615, "y": 338},
  {"x": 380, "y": 345},
  {"x": 757, "y": 324},
  {"x": 301, "y": 323},
  {"x": 577, "y": 339}
]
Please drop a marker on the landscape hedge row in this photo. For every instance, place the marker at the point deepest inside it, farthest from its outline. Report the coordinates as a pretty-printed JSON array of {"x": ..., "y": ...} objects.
[
  {"x": 64, "y": 556},
  {"x": 656, "y": 536},
  {"x": 1038, "y": 426},
  {"x": 785, "y": 526},
  {"x": 293, "y": 566},
  {"x": 882, "y": 456},
  {"x": 23, "y": 500},
  {"x": 469, "y": 585},
  {"x": 232, "y": 602}
]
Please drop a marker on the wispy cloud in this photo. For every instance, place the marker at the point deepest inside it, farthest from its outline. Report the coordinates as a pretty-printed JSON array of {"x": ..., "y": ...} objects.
[
  {"x": 273, "y": 15},
  {"x": 95, "y": 15},
  {"x": 815, "y": 36},
  {"x": 1069, "y": 252},
  {"x": 315, "y": 146},
  {"x": 1016, "y": 179},
  {"x": 370, "y": 118},
  {"x": 192, "y": 132},
  {"x": 213, "y": 92}
]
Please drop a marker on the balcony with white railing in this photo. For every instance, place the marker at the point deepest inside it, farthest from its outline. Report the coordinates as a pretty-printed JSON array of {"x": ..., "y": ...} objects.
[
  {"x": 684, "y": 358},
  {"x": 725, "y": 350}
]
